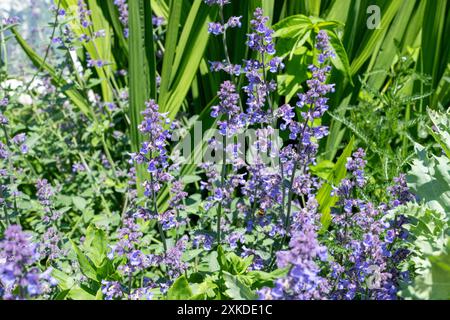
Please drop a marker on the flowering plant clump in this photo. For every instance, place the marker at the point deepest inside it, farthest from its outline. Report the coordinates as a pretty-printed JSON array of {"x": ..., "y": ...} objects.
[{"x": 152, "y": 153}]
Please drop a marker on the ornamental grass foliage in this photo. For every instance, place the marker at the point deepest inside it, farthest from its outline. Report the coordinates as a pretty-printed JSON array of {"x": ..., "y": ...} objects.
[{"x": 269, "y": 218}]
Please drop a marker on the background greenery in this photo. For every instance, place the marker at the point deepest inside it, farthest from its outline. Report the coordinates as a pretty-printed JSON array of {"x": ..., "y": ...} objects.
[{"x": 391, "y": 81}]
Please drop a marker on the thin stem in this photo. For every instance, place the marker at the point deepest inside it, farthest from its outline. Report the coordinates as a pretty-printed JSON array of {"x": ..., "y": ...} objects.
[
  {"x": 222, "y": 181},
  {"x": 4, "y": 57},
  {"x": 47, "y": 51},
  {"x": 224, "y": 160},
  {"x": 291, "y": 185},
  {"x": 227, "y": 54},
  {"x": 283, "y": 190},
  {"x": 224, "y": 39},
  {"x": 155, "y": 206},
  {"x": 130, "y": 284},
  {"x": 5, "y": 211},
  {"x": 10, "y": 167},
  {"x": 160, "y": 229},
  {"x": 91, "y": 176},
  {"x": 125, "y": 206},
  {"x": 108, "y": 155}
]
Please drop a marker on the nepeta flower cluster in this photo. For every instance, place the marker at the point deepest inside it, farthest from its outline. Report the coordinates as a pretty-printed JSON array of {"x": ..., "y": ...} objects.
[
  {"x": 365, "y": 259},
  {"x": 153, "y": 152},
  {"x": 228, "y": 106},
  {"x": 19, "y": 277},
  {"x": 130, "y": 247},
  {"x": 217, "y": 28},
  {"x": 11, "y": 149},
  {"x": 304, "y": 280},
  {"x": 261, "y": 39},
  {"x": 372, "y": 257},
  {"x": 122, "y": 6},
  {"x": 84, "y": 14},
  {"x": 10, "y": 20},
  {"x": 260, "y": 212}
]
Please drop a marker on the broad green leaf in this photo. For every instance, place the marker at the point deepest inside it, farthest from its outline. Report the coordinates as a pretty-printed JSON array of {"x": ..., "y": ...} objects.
[
  {"x": 236, "y": 289},
  {"x": 117, "y": 26},
  {"x": 78, "y": 293},
  {"x": 65, "y": 282},
  {"x": 432, "y": 38},
  {"x": 340, "y": 59},
  {"x": 260, "y": 279},
  {"x": 85, "y": 265},
  {"x": 97, "y": 47},
  {"x": 442, "y": 93},
  {"x": 180, "y": 290},
  {"x": 203, "y": 290},
  {"x": 292, "y": 26},
  {"x": 323, "y": 169},
  {"x": 95, "y": 245},
  {"x": 79, "y": 203},
  {"x": 232, "y": 263},
  {"x": 189, "y": 54},
  {"x": 170, "y": 48},
  {"x": 389, "y": 49},
  {"x": 188, "y": 179}
]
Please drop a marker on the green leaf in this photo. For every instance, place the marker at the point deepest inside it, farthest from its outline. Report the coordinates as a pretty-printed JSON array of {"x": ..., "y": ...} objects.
[
  {"x": 177, "y": 77},
  {"x": 170, "y": 48},
  {"x": 441, "y": 130},
  {"x": 340, "y": 59},
  {"x": 434, "y": 38},
  {"x": 232, "y": 263},
  {"x": 85, "y": 265},
  {"x": 180, "y": 290},
  {"x": 292, "y": 26},
  {"x": 323, "y": 169},
  {"x": 95, "y": 245},
  {"x": 65, "y": 282},
  {"x": 388, "y": 50},
  {"x": 204, "y": 290},
  {"x": 429, "y": 179},
  {"x": 433, "y": 283},
  {"x": 188, "y": 179},
  {"x": 78, "y": 293},
  {"x": 260, "y": 279},
  {"x": 142, "y": 73},
  {"x": 371, "y": 40},
  {"x": 79, "y": 203},
  {"x": 236, "y": 289},
  {"x": 324, "y": 198}
]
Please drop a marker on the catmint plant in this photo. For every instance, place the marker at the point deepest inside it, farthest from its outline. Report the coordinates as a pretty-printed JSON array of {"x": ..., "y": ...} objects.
[{"x": 20, "y": 276}]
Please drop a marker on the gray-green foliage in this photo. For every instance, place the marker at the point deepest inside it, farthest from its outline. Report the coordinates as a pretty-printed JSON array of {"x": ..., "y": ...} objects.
[
  {"x": 429, "y": 179},
  {"x": 430, "y": 256}
]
